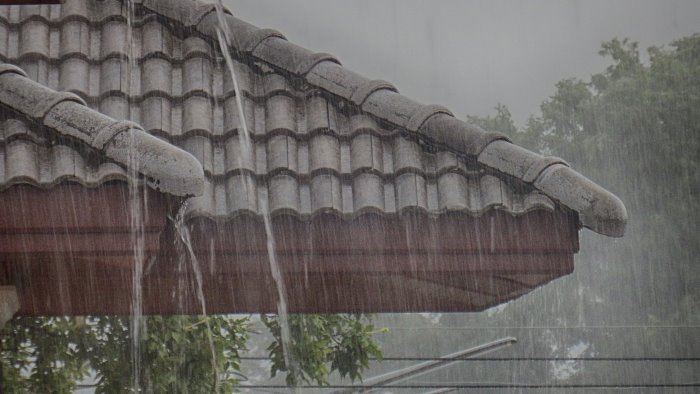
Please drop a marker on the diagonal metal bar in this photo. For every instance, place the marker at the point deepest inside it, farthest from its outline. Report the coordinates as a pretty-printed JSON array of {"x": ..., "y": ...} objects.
[{"x": 413, "y": 371}]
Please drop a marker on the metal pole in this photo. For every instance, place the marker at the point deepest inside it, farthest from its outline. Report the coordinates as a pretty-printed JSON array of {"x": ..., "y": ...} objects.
[
  {"x": 429, "y": 366},
  {"x": 442, "y": 391}
]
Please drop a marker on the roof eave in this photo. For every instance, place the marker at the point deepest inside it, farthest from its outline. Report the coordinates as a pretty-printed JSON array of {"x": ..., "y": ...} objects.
[
  {"x": 598, "y": 209},
  {"x": 165, "y": 167}
]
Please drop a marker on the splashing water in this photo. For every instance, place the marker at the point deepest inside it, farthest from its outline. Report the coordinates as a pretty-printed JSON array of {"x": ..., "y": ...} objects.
[
  {"x": 246, "y": 150},
  {"x": 184, "y": 245}
]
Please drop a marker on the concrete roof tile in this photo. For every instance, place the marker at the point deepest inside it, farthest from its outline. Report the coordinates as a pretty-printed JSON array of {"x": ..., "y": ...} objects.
[
  {"x": 336, "y": 79},
  {"x": 165, "y": 167},
  {"x": 391, "y": 106},
  {"x": 30, "y": 98},
  {"x": 367, "y": 153},
  {"x": 323, "y": 137}
]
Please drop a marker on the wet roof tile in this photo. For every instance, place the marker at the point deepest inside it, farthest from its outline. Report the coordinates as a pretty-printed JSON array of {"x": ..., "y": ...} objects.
[{"x": 324, "y": 138}]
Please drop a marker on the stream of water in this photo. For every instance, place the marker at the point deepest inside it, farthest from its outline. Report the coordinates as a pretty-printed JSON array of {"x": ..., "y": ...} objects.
[
  {"x": 246, "y": 151},
  {"x": 183, "y": 245},
  {"x": 137, "y": 199},
  {"x": 137, "y": 208}
]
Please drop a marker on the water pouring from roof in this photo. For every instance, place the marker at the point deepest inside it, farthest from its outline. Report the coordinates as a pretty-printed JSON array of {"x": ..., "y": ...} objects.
[
  {"x": 246, "y": 150},
  {"x": 137, "y": 200}
]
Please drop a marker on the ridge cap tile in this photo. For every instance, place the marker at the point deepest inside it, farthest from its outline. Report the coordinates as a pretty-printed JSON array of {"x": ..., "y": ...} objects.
[
  {"x": 360, "y": 95},
  {"x": 31, "y": 98},
  {"x": 250, "y": 43},
  {"x": 423, "y": 114},
  {"x": 165, "y": 166}
]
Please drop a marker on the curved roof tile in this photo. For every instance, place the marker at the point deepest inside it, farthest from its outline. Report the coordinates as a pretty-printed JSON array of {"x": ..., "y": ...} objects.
[
  {"x": 166, "y": 167},
  {"x": 324, "y": 137}
]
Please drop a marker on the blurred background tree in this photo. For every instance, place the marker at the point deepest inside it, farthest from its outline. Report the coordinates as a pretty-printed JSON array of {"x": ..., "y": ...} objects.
[{"x": 634, "y": 129}]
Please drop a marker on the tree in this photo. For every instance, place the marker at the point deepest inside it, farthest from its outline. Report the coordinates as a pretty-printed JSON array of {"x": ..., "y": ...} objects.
[
  {"x": 502, "y": 121},
  {"x": 644, "y": 122},
  {"x": 54, "y": 354},
  {"x": 635, "y": 129},
  {"x": 343, "y": 341}
]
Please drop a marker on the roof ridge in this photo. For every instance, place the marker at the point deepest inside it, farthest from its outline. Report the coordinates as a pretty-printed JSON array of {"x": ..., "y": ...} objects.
[
  {"x": 599, "y": 210},
  {"x": 166, "y": 167}
]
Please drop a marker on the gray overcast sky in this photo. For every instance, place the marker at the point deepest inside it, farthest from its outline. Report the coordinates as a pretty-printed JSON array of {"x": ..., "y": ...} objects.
[{"x": 469, "y": 55}]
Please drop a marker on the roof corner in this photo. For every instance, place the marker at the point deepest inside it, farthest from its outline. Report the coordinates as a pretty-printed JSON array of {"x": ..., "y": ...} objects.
[
  {"x": 166, "y": 167},
  {"x": 599, "y": 210}
]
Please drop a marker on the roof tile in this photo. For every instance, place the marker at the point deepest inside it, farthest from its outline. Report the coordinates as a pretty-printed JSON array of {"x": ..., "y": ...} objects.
[
  {"x": 283, "y": 194},
  {"x": 29, "y": 97},
  {"x": 75, "y": 38},
  {"x": 28, "y": 161},
  {"x": 74, "y": 76},
  {"x": 600, "y": 210},
  {"x": 335, "y": 79},
  {"x": 34, "y": 39},
  {"x": 76, "y": 121},
  {"x": 157, "y": 76},
  {"x": 324, "y": 138},
  {"x": 282, "y": 154},
  {"x": 368, "y": 192},
  {"x": 516, "y": 163},
  {"x": 113, "y": 39},
  {"x": 197, "y": 114},
  {"x": 164, "y": 166},
  {"x": 280, "y": 114},
  {"x": 242, "y": 195},
  {"x": 73, "y": 8},
  {"x": 367, "y": 153},
  {"x": 156, "y": 39},
  {"x": 326, "y": 193},
  {"x": 389, "y": 105},
  {"x": 116, "y": 107},
  {"x": 186, "y": 13},
  {"x": 411, "y": 191},
  {"x": 363, "y": 91},
  {"x": 324, "y": 153},
  {"x": 407, "y": 155},
  {"x": 156, "y": 114}
]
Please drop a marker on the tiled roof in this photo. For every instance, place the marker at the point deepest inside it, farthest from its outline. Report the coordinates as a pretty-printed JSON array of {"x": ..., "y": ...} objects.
[
  {"x": 28, "y": 156},
  {"x": 325, "y": 138},
  {"x": 43, "y": 126}
]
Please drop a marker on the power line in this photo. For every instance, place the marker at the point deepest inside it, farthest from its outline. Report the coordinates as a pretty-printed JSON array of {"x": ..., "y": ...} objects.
[
  {"x": 483, "y": 386},
  {"x": 592, "y": 327},
  {"x": 631, "y": 359}
]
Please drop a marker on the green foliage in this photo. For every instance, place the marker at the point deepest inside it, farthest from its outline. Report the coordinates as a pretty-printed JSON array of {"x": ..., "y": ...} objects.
[
  {"x": 502, "y": 121},
  {"x": 634, "y": 129},
  {"x": 343, "y": 341},
  {"x": 625, "y": 57},
  {"x": 643, "y": 120},
  {"x": 178, "y": 354},
  {"x": 33, "y": 363},
  {"x": 175, "y": 353}
]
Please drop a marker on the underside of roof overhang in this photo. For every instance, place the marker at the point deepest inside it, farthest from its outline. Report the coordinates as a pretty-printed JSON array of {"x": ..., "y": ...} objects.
[{"x": 68, "y": 251}]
